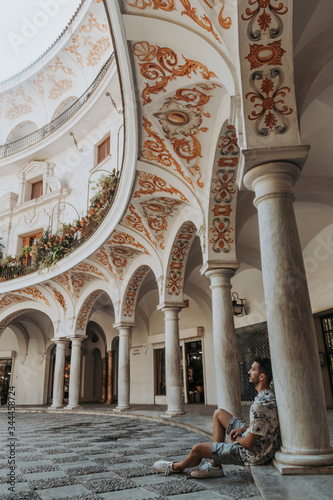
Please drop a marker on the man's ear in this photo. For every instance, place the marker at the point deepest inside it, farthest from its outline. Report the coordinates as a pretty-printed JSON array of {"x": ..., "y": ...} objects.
[{"x": 262, "y": 376}]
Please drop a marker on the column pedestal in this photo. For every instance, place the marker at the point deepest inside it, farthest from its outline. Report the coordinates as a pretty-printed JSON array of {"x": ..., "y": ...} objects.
[
  {"x": 75, "y": 375},
  {"x": 293, "y": 346},
  {"x": 124, "y": 369},
  {"x": 173, "y": 376},
  {"x": 59, "y": 372}
]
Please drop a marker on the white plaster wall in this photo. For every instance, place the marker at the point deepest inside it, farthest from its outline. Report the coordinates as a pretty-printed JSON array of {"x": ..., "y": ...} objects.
[
  {"x": 209, "y": 369},
  {"x": 318, "y": 261},
  {"x": 142, "y": 375},
  {"x": 249, "y": 286},
  {"x": 28, "y": 371}
]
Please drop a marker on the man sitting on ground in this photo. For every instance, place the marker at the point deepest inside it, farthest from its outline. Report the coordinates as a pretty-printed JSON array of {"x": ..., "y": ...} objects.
[{"x": 253, "y": 444}]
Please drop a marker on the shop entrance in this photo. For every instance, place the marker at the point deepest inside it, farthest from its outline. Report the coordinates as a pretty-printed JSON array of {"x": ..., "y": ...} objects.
[
  {"x": 5, "y": 375},
  {"x": 194, "y": 372}
]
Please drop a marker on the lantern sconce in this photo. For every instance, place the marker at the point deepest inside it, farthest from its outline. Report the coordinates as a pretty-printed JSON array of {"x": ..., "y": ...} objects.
[
  {"x": 75, "y": 142},
  {"x": 119, "y": 111},
  {"x": 238, "y": 305}
]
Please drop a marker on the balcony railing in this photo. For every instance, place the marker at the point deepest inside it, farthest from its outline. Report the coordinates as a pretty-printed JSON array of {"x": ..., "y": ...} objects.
[
  {"x": 16, "y": 146},
  {"x": 53, "y": 247}
]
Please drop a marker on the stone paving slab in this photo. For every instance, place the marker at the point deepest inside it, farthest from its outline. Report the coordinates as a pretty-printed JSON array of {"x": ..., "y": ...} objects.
[{"x": 93, "y": 457}]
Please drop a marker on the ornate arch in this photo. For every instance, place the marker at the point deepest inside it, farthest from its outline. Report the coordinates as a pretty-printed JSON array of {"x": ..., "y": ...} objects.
[
  {"x": 223, "y": 197},
  {"x": 174, "y": 283},
  {"x": 131, "y": 293}
]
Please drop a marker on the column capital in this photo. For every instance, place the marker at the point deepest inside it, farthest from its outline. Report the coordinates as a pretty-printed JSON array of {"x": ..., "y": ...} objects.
[
  {"x": 60, "y": 341},
  {"x": 77, "y": 340},
  {"x": 169, "y": 306},
  {"x": 215, "y": 268},
  {"x": 290, "y": 154},
  {"x": 123, "y": 324}
]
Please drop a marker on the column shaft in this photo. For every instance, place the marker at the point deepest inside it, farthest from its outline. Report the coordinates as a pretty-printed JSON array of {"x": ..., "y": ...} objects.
[
  {"x": 104, "y": 380},
  {"x": 294, "y": 351},
  {"x": 59, "y": 371},
  {"x": 225, "y": 348},
  {"x": 173, "y": 375},
  {"x": 109, "y": 379},
  {"x": 75, "y": 375},
  {"x": 124, "y": 369}
]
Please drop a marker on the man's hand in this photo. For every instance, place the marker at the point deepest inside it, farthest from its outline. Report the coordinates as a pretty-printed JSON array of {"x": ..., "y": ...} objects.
[{"x": 235, "y": 433}]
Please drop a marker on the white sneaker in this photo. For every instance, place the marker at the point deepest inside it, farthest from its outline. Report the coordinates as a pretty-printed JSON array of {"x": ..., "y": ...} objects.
[
  {"x": 165, "y": 467},
  {"x": 207, "y": 470}
]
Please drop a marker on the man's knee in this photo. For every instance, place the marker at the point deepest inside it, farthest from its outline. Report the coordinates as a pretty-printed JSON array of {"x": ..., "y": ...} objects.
[{"x": 198, "y": 449}]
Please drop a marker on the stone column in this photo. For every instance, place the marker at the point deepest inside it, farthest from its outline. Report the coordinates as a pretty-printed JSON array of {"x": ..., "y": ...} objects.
[
  {"x": 124, "y": 368},
  {"x": 104, "y": 380},
  {"x": 294, "y": 352},
  {"x": 75, "y": 374},
  {"x": 109, "y": 379},
  {"x": 225, "y": 348},
  {"x": 173, "y": 375},
  {"x": 59, "y": 372}
]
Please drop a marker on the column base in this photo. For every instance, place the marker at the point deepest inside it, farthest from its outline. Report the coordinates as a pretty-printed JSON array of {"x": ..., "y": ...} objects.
[
  {"x": 172, "y": 414},
  {"x": 56, "y": 407},
  {"x": 288, "y": 463},
  {"x": 73, "y": 407},
  {"x": 119, "y": 409}
]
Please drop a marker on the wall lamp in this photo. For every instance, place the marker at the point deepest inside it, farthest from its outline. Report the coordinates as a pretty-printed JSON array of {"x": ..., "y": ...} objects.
[{"x": 238, "y": 305}]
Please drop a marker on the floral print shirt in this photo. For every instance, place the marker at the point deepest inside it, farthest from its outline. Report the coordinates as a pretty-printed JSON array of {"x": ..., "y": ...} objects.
[{"x": 264, "y": 423}]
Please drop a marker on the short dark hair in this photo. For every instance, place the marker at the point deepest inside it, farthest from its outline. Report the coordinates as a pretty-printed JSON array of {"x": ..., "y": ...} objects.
[{"x": 265, "y": 367}]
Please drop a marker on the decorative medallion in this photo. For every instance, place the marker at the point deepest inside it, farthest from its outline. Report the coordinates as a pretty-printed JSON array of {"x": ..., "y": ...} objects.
[
  {"x": 154, "y": 149},
  {"x": 121, "y": 238},
  {"x": 150, "y": 184},
  {"x": 156, "y": 211},
  {"x": 134, "y": 221},
  {"x": 120, "y": 255},
  {"x": 268, "y": 96},
  {"x": 269, "y": 102},
  {"x": 160, "y": 64},
  {"x": 181, "y": 118},
  {"x": 35, "y": 294},
  {"x": 169, "y": 5},
  {"x": 89, "y": 268}
]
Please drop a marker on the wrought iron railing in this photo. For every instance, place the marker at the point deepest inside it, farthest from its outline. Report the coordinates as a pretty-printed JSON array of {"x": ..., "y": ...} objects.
[
  {"x": 29, "y": 140},
  {"x": 16, "y": 267}
]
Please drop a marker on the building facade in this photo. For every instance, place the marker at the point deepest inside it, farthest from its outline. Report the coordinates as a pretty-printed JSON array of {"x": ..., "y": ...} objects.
[{"x": 162, "y": 161}]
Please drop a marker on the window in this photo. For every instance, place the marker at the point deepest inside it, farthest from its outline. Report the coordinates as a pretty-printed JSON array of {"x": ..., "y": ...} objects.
[
  {"x": 103, "y": 150},
  {"x": 36, "y": 189},
  {"x": 31, "y": 240}
]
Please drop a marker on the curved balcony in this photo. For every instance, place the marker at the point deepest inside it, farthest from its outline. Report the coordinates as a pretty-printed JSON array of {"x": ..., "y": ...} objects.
[
  {"x": 40, "y": 134},
  {"x": 52, "y": 247}
]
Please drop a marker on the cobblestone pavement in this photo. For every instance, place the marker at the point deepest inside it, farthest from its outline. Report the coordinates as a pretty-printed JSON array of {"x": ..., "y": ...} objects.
[{"x": 78, "y": 456}]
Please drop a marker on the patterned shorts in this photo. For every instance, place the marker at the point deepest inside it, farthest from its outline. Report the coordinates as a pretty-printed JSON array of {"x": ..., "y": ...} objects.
[{"x": 228, "y": 453}]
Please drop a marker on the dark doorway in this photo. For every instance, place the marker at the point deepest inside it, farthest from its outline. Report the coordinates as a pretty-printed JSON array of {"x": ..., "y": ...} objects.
[{"x": 194, "y": 372}]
